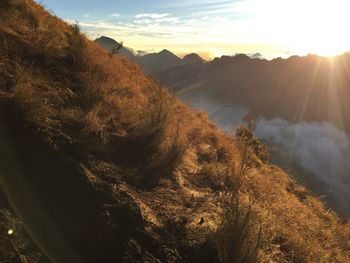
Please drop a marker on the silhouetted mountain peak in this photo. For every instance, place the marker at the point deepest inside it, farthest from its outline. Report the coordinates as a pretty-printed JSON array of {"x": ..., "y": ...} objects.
[
  {"x": 256, "y": 55},
  {"x": 193, "y": 58},
  {"x": 166, "y": 52},
  {"x": 106, "y": 39},
  {"x": 109, "y": 43},
  {"x": 241, "y": 57},
  {"x": 168, "y": 55}
]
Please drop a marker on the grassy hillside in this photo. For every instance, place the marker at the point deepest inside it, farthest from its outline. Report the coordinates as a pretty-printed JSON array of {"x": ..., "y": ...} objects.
[{"x": 103, "y": 164}]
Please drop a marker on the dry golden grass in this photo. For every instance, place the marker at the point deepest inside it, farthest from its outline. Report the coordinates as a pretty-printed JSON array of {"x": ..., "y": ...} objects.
[{"x": 59, "y": 82}]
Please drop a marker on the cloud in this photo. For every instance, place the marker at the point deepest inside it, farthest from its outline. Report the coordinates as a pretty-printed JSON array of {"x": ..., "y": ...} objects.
[
  {"x": 114, "y": 15},
  {"x": 151, "y": 15},
  {"x": 87, "y": 15},
  {"x": 142, "y": 28},
  {"x": 172, "y": 20},
  {"x": 320, "y": 148},
  {"x": 191, "y": 4},
  {"x": 144, "y": 21},
  {"x": 216, "y": 34},
  {"x": 147, "y": 19}
]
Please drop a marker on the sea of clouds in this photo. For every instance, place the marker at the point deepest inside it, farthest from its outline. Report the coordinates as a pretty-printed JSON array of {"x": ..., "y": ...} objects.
[{"x": 320, "y": 149}]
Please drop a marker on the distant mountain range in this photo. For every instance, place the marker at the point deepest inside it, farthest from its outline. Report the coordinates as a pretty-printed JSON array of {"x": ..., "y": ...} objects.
[
  {"x": 151, "y": 62},
  {"x": 310, "y": 88}
]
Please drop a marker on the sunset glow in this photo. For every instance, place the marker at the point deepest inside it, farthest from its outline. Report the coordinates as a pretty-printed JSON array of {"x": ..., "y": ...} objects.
[{"x": 214, "y": 28}]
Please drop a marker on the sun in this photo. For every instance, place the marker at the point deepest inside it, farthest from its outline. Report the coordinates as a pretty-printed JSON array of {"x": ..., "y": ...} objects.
[
  {"x": 305, "y": 26},
  {"x": 323, "y": 27}
]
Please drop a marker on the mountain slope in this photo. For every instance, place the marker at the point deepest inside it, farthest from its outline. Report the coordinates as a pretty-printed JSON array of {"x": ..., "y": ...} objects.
[{"x": 102, "y": 164}]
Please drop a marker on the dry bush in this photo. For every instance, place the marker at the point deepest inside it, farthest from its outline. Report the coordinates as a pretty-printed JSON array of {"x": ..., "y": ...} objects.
[
  {"x": 239, "y": 236},
  {"x": 48, "y": 40},
  {"x": 76, "y": 47},
  {"x": 158, "y": 108},
  {"x": 208, "y": 176},
  {"x": 91, "y": 89},
  {"x": 247, "y": 140},
  {"x": 95, "y": 124},
  {"x": 172, "y": 151},
  {"x": 147, "y": 134},
  {"x": 35, "y": 100},
  {"x": 178, "y": 144},
  {"x": 167, "y": 155},
  {"x": 19, "y": 13},
  {"x": 115, "y": 50},
  {"x": 218, "y": 177}
]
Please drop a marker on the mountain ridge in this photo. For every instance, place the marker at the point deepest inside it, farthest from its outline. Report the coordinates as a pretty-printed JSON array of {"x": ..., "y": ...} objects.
[
  {"x": 152, "y": 62},
  {"x": 261, "y": 85}
]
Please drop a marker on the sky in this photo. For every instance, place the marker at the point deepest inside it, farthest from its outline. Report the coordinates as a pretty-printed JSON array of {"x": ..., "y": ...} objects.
[{"x": 215, "y": 27}]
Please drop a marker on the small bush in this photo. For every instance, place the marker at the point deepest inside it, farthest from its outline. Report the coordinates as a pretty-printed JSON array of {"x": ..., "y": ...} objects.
[
  {"x": 238, "y": 238},
  {"x": 12, "y": 11},
  {"x": 76, "y": 47},
  {"x": 34, "y": 100},
  {"x": 247, "y": 140},
  {"x": 149, "y": 131},
  {"x": 178, "y": 144},
  {"x": 158, "y": 107},
  {"x": 48, "y": 41},
  {"x": 115, "y": 50},
  {"x": 95, "y": 124},
  {"x": 90, "y": 90},
  {"x": 167, "y": 157}
]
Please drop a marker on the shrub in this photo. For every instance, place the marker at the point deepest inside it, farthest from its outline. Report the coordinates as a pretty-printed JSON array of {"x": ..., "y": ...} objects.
[
  {"x": 167, "y": 156},
  {"x": 47, "y": 41},
  {"x": 34, "y": 100},
  {"x": 238, "y": 238},
  {"x": 76, "y": 47},
  {"x": 90, "y": 90},
  {"x": 177, "y": 145},
  {"x": 147, "y": 134},
  {"x": 12, "y": 11},
  {"x": 115, "y": 50},
  {"x": 246, "y": 139}
]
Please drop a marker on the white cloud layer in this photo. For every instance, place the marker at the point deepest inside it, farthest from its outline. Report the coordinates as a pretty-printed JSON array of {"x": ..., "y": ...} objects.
[
  {"x": 114, "y": 15},
  {"x": 321, "y": 149},
  {"x": 152, "y": 15}
]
